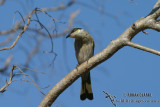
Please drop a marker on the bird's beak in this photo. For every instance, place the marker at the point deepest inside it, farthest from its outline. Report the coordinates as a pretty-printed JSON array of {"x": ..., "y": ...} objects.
[{"x": 68, "y": 36}]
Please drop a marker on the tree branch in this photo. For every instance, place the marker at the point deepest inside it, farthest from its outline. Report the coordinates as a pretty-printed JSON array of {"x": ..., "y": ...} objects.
[
  {"x": 4, "y": 88},
  {"x": 143, "y": 48},
  {"x": 7, "y": 62},
  {"x": 24, "y": 29},
  {"x": 18, "y": 25},
  {"x": 12, "y": 75},
  {"x": 123, "y": 40},
  {"x": 155, "y": 11}
]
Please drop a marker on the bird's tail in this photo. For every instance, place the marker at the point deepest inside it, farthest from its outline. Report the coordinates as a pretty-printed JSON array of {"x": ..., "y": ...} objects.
[{"x": 86, "y": 89}]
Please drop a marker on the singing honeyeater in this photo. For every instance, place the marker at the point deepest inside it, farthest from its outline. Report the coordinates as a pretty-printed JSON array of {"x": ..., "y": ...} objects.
[{"x": 84, "y": 49}]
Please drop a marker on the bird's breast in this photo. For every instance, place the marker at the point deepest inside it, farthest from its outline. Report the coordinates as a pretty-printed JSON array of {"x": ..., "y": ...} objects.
[{"x": 83, "y": 51}]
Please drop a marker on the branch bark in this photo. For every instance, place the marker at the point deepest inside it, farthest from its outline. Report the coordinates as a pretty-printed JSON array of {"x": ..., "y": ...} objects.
[{"x": 123, "y": 40}]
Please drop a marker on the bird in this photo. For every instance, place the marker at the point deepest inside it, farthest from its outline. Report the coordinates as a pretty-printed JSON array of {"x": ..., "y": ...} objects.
[{"x": 84, "y": 49}]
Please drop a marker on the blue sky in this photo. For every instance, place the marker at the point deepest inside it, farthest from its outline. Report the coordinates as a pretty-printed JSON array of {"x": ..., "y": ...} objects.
[{"x": 128, "y": 71}]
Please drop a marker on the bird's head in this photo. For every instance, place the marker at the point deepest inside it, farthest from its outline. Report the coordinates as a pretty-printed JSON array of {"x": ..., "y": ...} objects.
[{"x": 77, "y": 33}]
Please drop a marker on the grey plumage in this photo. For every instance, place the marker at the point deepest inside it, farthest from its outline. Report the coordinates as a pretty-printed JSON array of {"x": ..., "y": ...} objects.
[{"x": 84, "y": 49}]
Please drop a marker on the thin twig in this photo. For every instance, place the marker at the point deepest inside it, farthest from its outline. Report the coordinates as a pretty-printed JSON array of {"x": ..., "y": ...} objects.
[
  {"x": 7, "y": 62},
  {"x": 110, "y": 97},
  {"x": 12, "y": 75},
  {"x": 24, "y": 29},
  {"x": 16, "y": 27}
]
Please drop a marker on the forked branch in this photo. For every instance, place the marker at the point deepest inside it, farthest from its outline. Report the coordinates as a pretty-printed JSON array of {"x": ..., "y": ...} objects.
[
  {"x": 123, "y": 40},
  {"x": 23, "y": 30},
  {"x": 13, "y": 75}
]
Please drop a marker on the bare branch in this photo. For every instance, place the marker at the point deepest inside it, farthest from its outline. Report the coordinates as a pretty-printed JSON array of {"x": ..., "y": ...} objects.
[
  {"x": 123, "y": 40},
  {"x": 17, "y": 26},
  {"x": 6, "y": 64},
  {"x": 12, "y": 75},
  {"x": 7, "y": 40},
  {"x": 65, "y": 31},
  {"x": 155, "y": 11},
  {"x": 145, "y": 32},
  {"x": 24, "y": 29},
  {"x": 143, "y": 48},
  {"x": 154, "y": 24},
  {"x": 4, "y": 88}
]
